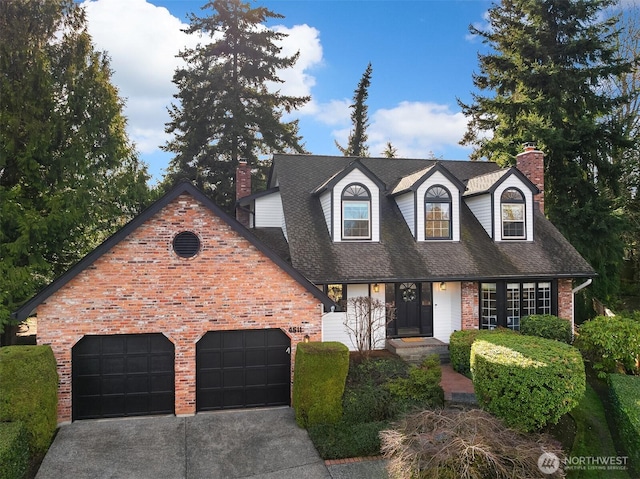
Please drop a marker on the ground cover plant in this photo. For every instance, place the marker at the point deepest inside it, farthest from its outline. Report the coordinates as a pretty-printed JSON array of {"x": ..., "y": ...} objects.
[
  {"x": 378, "y": 391},
  {"x": 463, "y": 444}
]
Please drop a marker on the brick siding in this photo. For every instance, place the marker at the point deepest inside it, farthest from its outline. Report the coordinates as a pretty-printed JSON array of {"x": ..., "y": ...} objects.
[
  {"x": 470, "y": 305},
  {"x": 142, "y": 286}
]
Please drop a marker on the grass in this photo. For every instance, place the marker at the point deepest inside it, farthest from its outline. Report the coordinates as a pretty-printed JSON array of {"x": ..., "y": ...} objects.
[{"x": 592, "y": 437}]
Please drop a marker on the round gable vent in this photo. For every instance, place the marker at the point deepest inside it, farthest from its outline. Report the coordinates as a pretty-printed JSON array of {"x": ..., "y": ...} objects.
[{"x": 186, "y": 244}]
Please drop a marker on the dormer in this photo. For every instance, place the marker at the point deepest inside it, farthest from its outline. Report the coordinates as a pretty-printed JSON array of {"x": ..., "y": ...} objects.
[
  {"x": 429, "y": 201},
  {"x": 350, "y": 201},
  {"x": 503, "y": 202}
]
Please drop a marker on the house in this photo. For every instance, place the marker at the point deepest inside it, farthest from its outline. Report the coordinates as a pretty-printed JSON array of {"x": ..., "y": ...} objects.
[
  {"x": 187, "y": 309},
  {"x": 182, "y": 310},
  {"x": 445, "y": 245}
]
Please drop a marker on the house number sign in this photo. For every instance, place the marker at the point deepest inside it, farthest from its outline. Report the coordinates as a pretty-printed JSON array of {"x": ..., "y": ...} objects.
[{"x": 296, "y": 329}]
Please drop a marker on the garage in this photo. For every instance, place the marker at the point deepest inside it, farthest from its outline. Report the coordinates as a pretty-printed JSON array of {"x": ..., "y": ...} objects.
[
  {"x": 122, "y": 375},
  {"x": 242, "y": 369}
]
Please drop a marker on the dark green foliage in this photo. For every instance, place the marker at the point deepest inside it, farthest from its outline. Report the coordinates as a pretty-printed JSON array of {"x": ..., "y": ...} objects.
[
  {"x": 224, "y": 111},
  {"x": 542, "y": 81},
  {"x": 610, "y": 344},
  {"x": 422, "y": 387},
  {"x": 320, "y": 374},
  {"x": 337, "y": 441},
  {"x": 359, "y": 118},
  {"x": 29, "y": 392},
  {"x": 527, "y": 381},
  {"x": 14, "y": 450},
  {"x": 460, "y": 347},
  {"x": 546, "y": 326},
  {"x": 69, "y": 176},
  {"x": 624, "y": 392}
]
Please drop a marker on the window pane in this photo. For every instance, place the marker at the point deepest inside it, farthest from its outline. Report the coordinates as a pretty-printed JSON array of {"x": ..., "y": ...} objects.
[
  {"x": 512, "y": 212},
  {"x": 488, "y": 305},
  {"x": 337, "y": 294},
  {"x": 544, "y": 298},
  {"x": 513, "y": 221},
  {"x": 528, "y": 299},
  {"x": 513, "y": 306},
  {"x": 355, "y": 219},
  {"x": 437, "y": 220}
]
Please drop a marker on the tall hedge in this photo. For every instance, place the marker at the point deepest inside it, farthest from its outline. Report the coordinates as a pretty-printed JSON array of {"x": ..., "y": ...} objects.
[
  {"x": 460, "y": 346},
  {"x": 14, "y": 450},
  {"x": 527, "y": 381},
  {"x": 625, "y": 393},
  {"x": 547, "y": 326},
  {"x": 319, "y": 380},
  {"x": 29, "y": 392}
]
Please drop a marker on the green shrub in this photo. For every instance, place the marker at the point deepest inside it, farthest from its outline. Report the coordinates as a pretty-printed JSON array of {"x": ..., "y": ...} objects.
[
  {"x": 625, "y": 401},
  {"x": 337, "y": 441},
  {"x": 460, "y": 347},
  {"x": 366, "y": 403},
  {"x": 422, "y": 387},
  {"x": 320, "y": 374},
  {"x": 610, "y": 344},
  {"x": 547, "y": 326},
  {"x": 14, "y": 450},
  {"x": 527, "y": 381},
  {"x": 29, "y": 392}
]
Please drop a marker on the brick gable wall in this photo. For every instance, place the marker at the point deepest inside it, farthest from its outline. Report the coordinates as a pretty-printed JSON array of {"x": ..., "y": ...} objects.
[{"x": 142, "y": 286}]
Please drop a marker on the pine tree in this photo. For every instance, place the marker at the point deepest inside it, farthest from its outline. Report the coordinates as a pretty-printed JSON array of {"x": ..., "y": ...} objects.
[
  {"x": 68, "y": 173},
  {"x": 543, "y": 78},
  {"x": 226, "y": 111},
  {"x": 357, "y": 144},
  {"x": 390, "y": 151}
]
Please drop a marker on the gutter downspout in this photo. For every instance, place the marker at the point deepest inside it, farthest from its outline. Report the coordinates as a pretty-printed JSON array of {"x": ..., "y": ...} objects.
[{"x": 573, "y": 313}]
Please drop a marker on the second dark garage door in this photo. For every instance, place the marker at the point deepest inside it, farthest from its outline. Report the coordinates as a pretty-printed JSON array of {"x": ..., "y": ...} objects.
[{"x": 243, "y": 368}]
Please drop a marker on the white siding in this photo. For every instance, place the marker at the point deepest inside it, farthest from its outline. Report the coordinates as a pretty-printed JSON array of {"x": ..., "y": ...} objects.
[
  {"x": 512, "y": 181},
  {"x": 447, "y": 310},
  {"x": 268, "y": 211},
  {"x": 407, "y": 207},
  {"x": 333, "y": 329},
  {"x": 325, "y": 202},
  {"x": 480, "y": 206},
  {"x": 438, "y": 179},
  {"x": 356, "y": 176}
]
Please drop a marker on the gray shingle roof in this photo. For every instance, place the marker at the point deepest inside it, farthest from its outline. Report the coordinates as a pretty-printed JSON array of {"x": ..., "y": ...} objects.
[{"x": 398, "y": 257}]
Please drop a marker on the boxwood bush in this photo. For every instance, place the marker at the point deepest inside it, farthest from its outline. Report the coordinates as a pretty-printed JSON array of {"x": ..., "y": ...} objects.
[
  {"x": 14, "y": 450},
  {"x": 29, "y": 392},
  {"x": 547, "y": 326},
  {"x": 527, "y": 381},
  {"x": 318, "y": 385},
  {"x": 422, "y": 387},
  {"x": 611, "y": 344},
  {"x": 460, "y": 347},
  {"x": 625, "y": 401}
]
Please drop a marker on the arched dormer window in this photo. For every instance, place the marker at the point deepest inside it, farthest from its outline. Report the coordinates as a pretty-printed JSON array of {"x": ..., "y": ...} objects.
[
  {"x": 437, "y": 213},
  {"x": 356, "y": 212},
  {"x": 512, "y": 207}
]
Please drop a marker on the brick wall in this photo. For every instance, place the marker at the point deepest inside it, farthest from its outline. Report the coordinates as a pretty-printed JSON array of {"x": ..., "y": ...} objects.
[
  {"x": 142, "y": 286},
  {"x": 470, "y": 305},
  {"x": 565, "y": 299},
  {"x": 531, "y": 163}
]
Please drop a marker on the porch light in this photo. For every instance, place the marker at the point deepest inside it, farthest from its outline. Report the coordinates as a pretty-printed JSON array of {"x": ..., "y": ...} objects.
[
  {"x": 376, "y": 288},
  {"x": 443, "y": 286},
  {"x": 306, "y": 338}
]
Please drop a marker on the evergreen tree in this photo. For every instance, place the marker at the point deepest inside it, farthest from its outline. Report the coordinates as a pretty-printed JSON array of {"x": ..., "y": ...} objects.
[
  {"x": 68, "y": 173},
  {"x": 357, "y": 144},
  {"x": 543, "y": 79},
  {"x": 225, "y": 111},
  {"x": 390, "y": 151}
]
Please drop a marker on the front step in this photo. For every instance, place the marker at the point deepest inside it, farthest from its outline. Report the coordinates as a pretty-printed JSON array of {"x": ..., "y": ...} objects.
[{"x": 414, "y": 350}]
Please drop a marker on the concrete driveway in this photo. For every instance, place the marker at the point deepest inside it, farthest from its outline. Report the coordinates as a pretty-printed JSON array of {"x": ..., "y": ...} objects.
[{"x": 255, "y": 443}]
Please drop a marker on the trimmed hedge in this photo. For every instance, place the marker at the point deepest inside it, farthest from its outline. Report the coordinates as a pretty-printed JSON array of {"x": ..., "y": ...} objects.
[
  {"x": 527, "y": 381},
  {"x": 320, "y": 375},
  {"x": 460, "y": 347},
  {"x": 547, "y": 326},
  {"x": 337, "y": 441},
  {"x": 29, "y": 392},
  {"x": 14, "y": 450},
  {"x": 611, "y": 344},
  {"x": 625, "y": 400}
]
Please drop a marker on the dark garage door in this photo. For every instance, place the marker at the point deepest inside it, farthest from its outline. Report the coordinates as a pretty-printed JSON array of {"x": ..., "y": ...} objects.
[
  {"x": 122, "y": 375},
  {"x": 247, "y": 368}
]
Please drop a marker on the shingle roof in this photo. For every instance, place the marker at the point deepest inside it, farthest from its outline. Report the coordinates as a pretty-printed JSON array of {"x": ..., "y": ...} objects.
[{"x": 398, "y": 257}]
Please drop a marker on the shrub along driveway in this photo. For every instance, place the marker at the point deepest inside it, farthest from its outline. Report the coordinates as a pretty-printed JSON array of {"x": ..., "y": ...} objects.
[{"x": 257, "y": 443}]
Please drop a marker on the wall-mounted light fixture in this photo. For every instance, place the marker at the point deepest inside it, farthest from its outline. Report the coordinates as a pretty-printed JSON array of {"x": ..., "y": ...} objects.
[
  {"x": 306, "y": 338},
  {"x": 443, "y": 286},
  {"x": 376, "y": 288}
]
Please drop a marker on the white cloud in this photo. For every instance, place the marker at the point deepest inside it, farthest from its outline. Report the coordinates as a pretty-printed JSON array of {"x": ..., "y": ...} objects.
[{"x": 416, "y": 129}]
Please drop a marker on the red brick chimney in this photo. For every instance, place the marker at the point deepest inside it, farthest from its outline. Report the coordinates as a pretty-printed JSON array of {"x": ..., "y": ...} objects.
[
  {"x": 243, "y": 188},
  {"x": 531, "y": 163}
]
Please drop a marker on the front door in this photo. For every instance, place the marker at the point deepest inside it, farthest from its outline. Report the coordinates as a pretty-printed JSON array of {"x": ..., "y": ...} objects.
[{"x": 414, "y": 313}]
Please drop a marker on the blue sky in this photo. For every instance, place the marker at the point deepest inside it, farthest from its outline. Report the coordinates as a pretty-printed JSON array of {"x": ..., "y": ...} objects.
[{"x": 422, "y": 55}]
